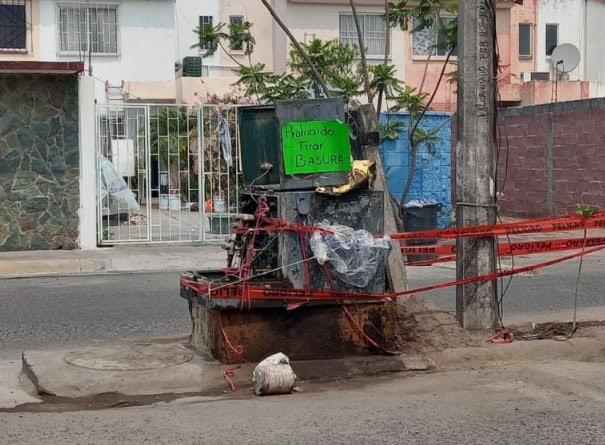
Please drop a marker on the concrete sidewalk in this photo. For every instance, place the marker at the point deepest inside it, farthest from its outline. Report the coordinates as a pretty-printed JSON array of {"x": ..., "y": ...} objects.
[{"x": 121, "y": 259}]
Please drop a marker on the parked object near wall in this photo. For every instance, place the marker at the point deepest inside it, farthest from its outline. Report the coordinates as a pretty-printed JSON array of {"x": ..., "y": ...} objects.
[{"x": 432, "y": 181}]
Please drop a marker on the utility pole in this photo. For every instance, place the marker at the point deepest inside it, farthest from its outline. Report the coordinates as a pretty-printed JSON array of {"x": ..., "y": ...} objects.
[{"x": 476, "y": 303}]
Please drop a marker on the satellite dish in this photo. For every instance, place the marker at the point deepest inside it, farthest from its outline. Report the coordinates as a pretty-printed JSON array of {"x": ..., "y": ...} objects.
[{"x": 565, "y": 58}]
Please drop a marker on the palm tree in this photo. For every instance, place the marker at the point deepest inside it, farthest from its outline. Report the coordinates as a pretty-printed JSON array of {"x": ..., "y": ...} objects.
[{"x": 384, "y": 82}]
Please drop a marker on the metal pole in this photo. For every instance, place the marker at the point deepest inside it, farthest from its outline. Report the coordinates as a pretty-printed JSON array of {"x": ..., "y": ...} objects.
[{"x": 476, "y": 303}]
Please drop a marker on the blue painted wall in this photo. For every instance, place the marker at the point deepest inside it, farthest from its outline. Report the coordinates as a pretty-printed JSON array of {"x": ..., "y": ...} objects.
[{"x": 433, "y": 168}]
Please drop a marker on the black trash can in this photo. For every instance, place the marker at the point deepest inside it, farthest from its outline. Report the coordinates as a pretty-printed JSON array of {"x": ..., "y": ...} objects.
[{"x": 420, "y": 218}]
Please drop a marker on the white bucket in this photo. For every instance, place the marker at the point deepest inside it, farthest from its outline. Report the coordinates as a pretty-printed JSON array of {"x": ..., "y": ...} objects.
[
  {"x": 219, "y": 205},
  {"x": 175, "y": 202}
]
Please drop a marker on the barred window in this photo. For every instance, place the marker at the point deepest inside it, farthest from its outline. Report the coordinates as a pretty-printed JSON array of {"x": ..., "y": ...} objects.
[
  {"x": 235, "y": 22},
  {"x": 373, "y": 29},
  {"x": 205, "y": 23},
  {"x": 430, "y": 40},
  {"x": 88, "y": 27},
  {"x": 13, "y": 25}
]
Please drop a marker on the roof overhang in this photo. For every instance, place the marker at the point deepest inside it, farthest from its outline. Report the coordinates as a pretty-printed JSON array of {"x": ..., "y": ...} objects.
[{"x": 34, "y": 67}]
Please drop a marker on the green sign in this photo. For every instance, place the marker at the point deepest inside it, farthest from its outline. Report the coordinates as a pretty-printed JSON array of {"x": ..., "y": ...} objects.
[{"x": 315, "y": 147}]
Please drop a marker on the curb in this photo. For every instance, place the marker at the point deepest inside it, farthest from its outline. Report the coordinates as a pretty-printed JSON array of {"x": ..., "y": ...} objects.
[
  {"x": 577, "y": 349},
  {"x": 37, "y": 268},
  {"x": 136, "y": 262}
]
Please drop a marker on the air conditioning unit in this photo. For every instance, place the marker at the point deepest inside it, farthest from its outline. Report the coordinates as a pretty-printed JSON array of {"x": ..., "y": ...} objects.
[{"x": 192, "y": 66}]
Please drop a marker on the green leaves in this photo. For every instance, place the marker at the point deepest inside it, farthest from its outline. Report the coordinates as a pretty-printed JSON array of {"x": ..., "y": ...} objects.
[
  {"x": 241, "y": 38},
  {"x": 286, "y": 86},
  {"x": 410, "y": 100},
  {"x": 390, "y": 130},
  {"x": 384, "y": 78},
  {"x": 254, "y": 78},
  {"x": 337, "y": 64},
  {"x": 209, "y": 38},
  {"x": 426, "y": 14},
  {"x": 586, "y": 211}
]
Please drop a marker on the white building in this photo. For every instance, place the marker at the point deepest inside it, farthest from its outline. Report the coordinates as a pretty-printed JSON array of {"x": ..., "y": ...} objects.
[
  {"x": 130, "y": 46},
  {"x": 579, "y": 22}
]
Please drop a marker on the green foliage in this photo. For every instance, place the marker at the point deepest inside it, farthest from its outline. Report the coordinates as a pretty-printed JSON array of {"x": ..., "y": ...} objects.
[
  {"x": 410, "y": 100},
  {"x": 586, "y": 211},
  {"x": 425, "y": 14},
  {"x": 169, "y": 137},
  {"x": 286, "y": 86},
  {"x": 390, "y": 130},
  {"x": 209, "y": 38},
  {"x": 383, "y": 78},
  {"x": 426, "y": 138},
  {"x": 337, "y": 64},
  {"x": 241, "y": 38},
  {"x": 254, "y": 79}
]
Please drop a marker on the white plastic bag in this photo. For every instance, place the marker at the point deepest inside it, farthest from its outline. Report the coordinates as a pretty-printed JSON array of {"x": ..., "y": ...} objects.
[
  {"x": 273, "y": 376},
  {"x": 355, "y": 255}
]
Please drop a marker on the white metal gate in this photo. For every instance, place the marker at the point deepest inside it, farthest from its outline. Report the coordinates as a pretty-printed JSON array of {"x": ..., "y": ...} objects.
[{"x": 166, "y": 173}]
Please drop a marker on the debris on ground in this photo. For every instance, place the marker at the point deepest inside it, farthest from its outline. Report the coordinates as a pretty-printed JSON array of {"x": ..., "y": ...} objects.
[{"x": 274, "y": 375}]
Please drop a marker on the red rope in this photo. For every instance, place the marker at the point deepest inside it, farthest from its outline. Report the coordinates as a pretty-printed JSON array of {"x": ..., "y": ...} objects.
[
  {"x": 357, "y": 327},
  {"x": 237, "y": 351}
]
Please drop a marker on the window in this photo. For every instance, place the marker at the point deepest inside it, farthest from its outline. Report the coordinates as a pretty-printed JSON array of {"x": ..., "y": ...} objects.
[
  {"x": 205, "y": 23},
  {"x": 13, "y": 26},
  {"x": 373, "y": 29},
  {"x": 552, "y": 37},
  {"x": 235, "y": 22},
  {"x": 430, "y": 41},
  {"x": 84, "y": 28},
  {"x": 525, "y": 40}
]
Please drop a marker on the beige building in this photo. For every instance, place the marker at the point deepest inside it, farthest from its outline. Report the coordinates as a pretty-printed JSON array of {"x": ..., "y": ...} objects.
[{"x": 307, "y": 19}]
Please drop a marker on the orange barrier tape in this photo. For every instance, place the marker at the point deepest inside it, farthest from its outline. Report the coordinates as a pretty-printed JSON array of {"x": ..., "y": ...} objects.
[
  {"x": 516, "y": 248},
  {"x": 255, "y": 292},
  {"x": 565, "y": 223}
]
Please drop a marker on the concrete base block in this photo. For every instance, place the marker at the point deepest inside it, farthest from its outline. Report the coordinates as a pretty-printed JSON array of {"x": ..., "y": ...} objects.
[{"x": 319, "y": 332}]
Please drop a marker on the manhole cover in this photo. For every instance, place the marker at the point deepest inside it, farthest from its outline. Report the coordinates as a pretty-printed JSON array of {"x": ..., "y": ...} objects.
[{"x": 131, "y": 357}]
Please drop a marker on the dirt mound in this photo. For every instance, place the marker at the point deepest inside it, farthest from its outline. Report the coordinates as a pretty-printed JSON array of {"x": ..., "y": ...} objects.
[{"x": 423, "y": 327}]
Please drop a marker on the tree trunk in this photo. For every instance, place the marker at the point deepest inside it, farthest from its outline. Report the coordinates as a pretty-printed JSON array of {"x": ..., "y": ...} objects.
[
  {"x": 362, "y": 53},
  {"x": 298, "y": 47}
]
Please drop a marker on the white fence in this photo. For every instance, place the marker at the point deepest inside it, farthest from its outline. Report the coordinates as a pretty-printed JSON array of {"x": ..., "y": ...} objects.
[{"x": 166, "y": 173}]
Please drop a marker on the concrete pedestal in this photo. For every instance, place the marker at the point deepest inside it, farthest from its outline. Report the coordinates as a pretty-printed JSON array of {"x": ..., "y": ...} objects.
[{"x": 319, "y": 332}]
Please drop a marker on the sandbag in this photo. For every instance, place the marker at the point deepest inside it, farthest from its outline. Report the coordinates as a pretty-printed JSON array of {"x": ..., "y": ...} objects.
[{"x": 273, "y": 375}]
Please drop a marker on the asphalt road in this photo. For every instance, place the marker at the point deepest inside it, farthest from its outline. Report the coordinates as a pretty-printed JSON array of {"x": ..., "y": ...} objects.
[
  {"x": 47, "y": 313},
  {"x": 543, "y": 295}
]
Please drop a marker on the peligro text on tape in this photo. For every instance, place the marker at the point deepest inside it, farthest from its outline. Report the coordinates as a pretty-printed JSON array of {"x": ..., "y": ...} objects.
[
  {"x": 255, "y": 292},
  {"x": 515, "y": 248}
]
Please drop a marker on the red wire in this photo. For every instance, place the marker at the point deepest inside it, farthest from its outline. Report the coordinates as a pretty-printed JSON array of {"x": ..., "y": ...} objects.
[{"x": 237, "y": 351}]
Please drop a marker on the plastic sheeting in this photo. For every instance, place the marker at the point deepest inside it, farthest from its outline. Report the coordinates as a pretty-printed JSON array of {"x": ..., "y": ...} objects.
[
  {"x": 354, "y": 255},
  {"x": 225, "y": 138},
  {"x": 115, "y": 194}
]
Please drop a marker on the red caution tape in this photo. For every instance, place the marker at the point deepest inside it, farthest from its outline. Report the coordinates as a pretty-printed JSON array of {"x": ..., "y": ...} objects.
[
  {"x": 253, "y": 292},
  {"x": 516, "y": 248},
  {"x": 559, "y": 224}
]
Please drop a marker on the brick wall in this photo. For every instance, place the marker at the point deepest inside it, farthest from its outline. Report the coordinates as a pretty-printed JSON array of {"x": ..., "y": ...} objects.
[{"x": 552, "y": 157}]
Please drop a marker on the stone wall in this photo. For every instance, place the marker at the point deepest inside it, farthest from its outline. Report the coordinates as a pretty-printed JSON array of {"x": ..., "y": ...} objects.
[{"x": 39, "y": 162}]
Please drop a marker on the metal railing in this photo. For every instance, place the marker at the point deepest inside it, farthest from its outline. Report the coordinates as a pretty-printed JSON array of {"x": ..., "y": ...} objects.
[{"x": 166, "y": 173}]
